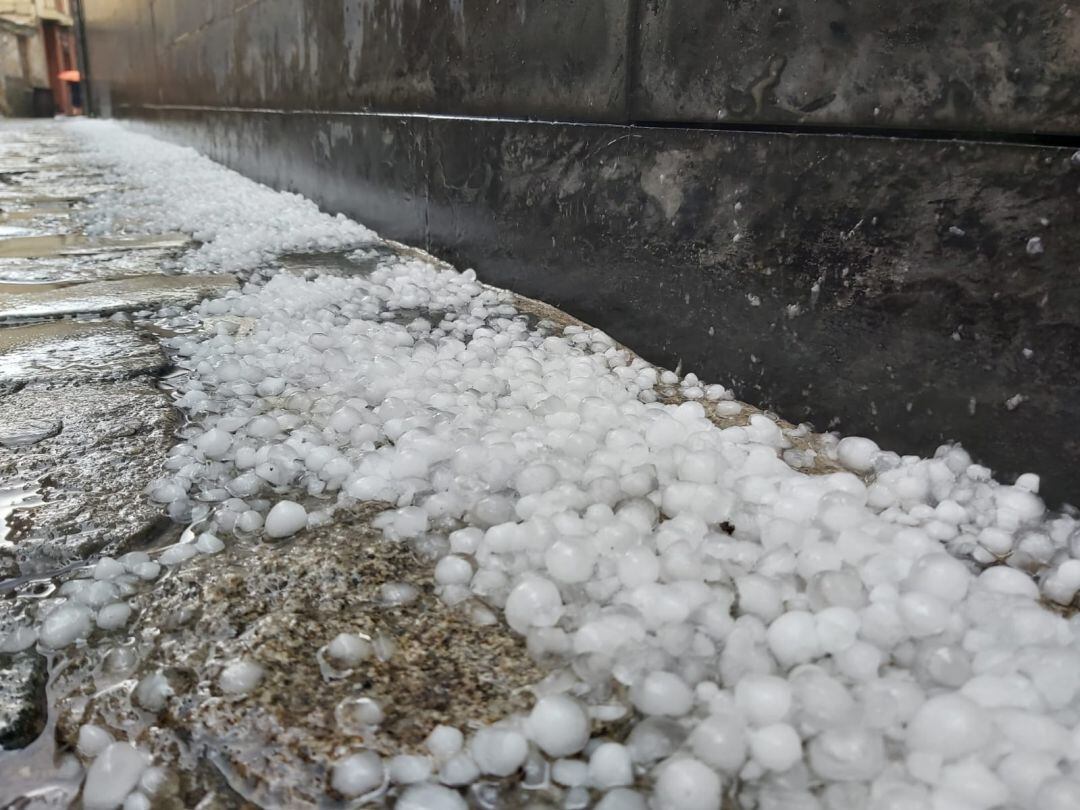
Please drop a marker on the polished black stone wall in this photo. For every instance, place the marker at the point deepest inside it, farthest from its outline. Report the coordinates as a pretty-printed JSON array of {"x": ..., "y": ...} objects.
[{"x": 847, "y": 242}]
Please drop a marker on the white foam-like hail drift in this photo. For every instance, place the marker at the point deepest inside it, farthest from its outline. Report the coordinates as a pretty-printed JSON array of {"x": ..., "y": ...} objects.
[
  {"x": 167, "y": 188},
  {"x": 874, "y": 638},
  {"x": 810, "y": 636}
]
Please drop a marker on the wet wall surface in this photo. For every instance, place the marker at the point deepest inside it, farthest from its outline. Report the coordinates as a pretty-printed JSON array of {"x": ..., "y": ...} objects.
[
  {"x": 562, "y": 59},
  {"x": 913, "y": 289},
  {"x": 1007, "y": 66},
  {"x": 966, "y": 65}
]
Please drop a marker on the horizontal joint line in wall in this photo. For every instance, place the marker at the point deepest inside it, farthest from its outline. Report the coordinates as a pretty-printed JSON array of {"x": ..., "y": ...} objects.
[{"x": 946, "y": 135}]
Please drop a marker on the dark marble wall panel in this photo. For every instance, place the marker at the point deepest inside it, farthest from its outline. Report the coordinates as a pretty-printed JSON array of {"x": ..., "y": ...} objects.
[
  {"x": 1003, "y": 65},
  {"x": 953, "y": 65},
  {"x": 878, "y": 286},
  {"x": 550, "y": 58}
]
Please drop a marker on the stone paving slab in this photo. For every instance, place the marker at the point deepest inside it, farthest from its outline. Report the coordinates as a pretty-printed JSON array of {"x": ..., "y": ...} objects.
[
  {"x": 42, "y": 246},
  {"x": 118, "y": 295},
  {"x": 72, "y": 350},
  {"x": 103, "y": 266},
  {"x": 23, "y": 218},
  {"x": 88, "y": 478}
]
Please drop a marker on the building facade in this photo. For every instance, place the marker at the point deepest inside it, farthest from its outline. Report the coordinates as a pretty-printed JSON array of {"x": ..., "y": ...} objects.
[{"x": 38, "y": 63}]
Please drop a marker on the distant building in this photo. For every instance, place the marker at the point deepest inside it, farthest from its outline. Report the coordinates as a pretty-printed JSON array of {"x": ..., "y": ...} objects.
[{"x": 39, "y": 73}]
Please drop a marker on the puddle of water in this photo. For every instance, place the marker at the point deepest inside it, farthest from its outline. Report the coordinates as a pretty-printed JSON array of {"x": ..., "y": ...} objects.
[
  {"x": 16, "y": 495},
  {"x": 355, "y": 262},
  {"x": 37, "y": 586},
  {"x": 70, "y": 347},
  {"x": 40, "y": 776},
  {"x": 43, "y": 774},
  {"x": 68, "y": 244}
]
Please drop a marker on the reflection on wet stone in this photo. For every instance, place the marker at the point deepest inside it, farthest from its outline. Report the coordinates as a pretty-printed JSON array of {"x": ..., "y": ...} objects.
[
  {"x": 91, "y": 476},
  {"x": 65, "y": 351},
  {"x": 29, "y": 431},
  {"x": 105, "y": 297},
  {"x": 22, "y": 698}
]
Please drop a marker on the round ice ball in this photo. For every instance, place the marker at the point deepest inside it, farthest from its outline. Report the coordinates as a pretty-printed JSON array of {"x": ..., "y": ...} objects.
[
  {"x": 498, "y": 751},
  {"x": 793, "y": 638},
  {"x": 534, "y": 602},
  {"x": 93, "y": 740},
  {"x": 64, "y": 625},
  {"x": 430, "y": 797},
  {"x": 349, "y": 649},
  {"x": 941, "y": 576},
  {"x": 847, "y": 754},
  {"x": 857, "y": 453},
  {"x": 764, "y": 699},
  {"x": 214, "y": 444},
  {"x": 240, "y": 677},
  {"x": 559, "y": 725},
  {"x": 286, "y": 518},
  {"x": 776, "y": 747},
  {"x": 663, "y": 693},
  {"x": 444, "y": 741},
  {"x": 610, "y": 766},
  {"x": 114, "y": 616},
  {"x": 112, "y": 776},
  {"x": 357, "y": 774},
  {"x": 408, "y": 769},
  {"x": 687, "y": 784},
  {"x": 950, "y": 725},
  {"x": 720, "y": 741}
]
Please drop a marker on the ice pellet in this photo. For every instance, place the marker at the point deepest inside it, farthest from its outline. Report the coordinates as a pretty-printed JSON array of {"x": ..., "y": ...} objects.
[
  {"x": 357, "y": 774},
  {"x": 559, "y": 725},
  {"x": 112, "y": 776},
  {"x": 285, "y": 519},
  {"x": 240, "y": 677}
]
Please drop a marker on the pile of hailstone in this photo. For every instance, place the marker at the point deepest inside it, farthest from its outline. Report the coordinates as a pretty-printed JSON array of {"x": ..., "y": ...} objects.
[
  {"x": 162, "y": 188},
  {"x": 810, "y": 641},
  {"x": 894, "y": 637}
]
